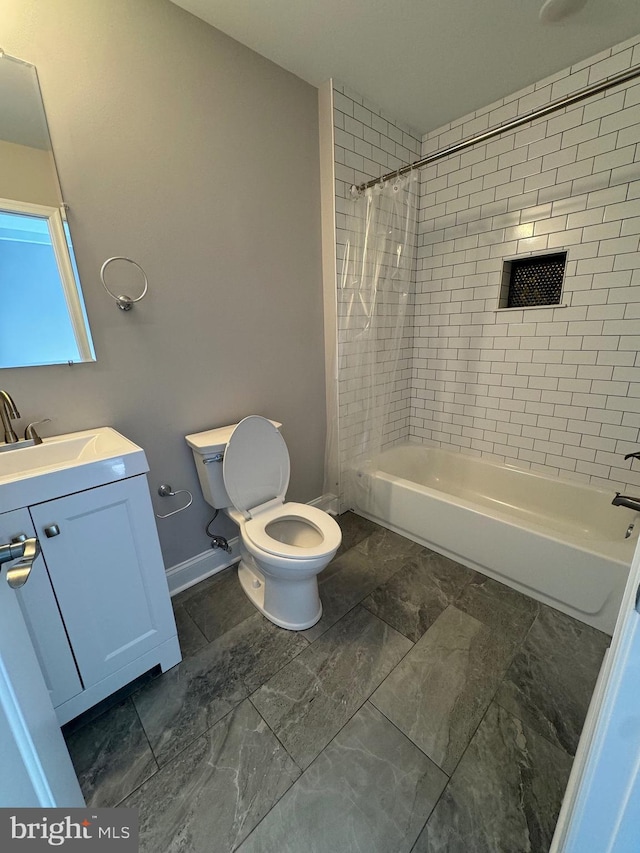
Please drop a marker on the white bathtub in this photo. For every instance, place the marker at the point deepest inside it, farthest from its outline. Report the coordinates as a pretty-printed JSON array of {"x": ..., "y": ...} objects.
[{"x": 558, "y": 541}]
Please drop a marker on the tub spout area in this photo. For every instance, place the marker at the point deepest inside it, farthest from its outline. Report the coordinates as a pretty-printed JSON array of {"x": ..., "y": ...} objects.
[{"x": 626, "y": 500}]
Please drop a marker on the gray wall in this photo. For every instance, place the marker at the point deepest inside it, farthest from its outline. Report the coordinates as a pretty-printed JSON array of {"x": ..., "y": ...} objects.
[{"x": 197, "y": 158}]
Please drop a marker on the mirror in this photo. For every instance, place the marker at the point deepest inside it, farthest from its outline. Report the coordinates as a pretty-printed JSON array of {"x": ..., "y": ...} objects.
[{"x": 42, "y": 314}]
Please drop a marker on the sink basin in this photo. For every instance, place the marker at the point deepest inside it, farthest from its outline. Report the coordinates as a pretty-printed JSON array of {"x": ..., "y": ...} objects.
[
  {"x": 62, "y": 451},
  {"x": 65, "y": 464}
]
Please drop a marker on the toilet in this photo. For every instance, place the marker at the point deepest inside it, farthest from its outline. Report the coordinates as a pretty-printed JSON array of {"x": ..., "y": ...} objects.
[{"x": 244, "y": 470}]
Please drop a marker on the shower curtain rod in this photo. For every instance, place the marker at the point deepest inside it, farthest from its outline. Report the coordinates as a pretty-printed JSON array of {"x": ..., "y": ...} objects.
[{"x": 567, "y": 100}]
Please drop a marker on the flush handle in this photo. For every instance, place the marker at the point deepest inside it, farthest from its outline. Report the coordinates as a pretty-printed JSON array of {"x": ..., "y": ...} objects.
[
  {"x": 218, "y": 457},
  {"x": 51, "y": 531}
]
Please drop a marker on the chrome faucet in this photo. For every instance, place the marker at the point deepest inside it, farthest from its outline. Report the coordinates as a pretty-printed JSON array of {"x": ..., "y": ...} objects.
[
  {"x": 8, "y": 411},
  {"x": 31, "y": 434},
  {"x": 626, "y": 500}
]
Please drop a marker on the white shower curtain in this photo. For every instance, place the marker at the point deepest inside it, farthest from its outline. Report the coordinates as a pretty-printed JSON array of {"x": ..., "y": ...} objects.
[{"x": 374, "y": 294}]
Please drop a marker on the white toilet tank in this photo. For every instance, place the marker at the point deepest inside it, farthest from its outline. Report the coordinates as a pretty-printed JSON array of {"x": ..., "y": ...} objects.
[{"x": 208, "y": 449}]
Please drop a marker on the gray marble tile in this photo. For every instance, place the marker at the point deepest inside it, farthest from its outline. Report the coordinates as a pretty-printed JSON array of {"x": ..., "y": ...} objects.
[
  {"x": 196, "y": 590},
  {"x": 551, "y": 679},
  {"x": 214, "y": 793},
  {"x": 440, "y": 690},
  {"x": 111, "y": 756},
  {"x": 370, "y": 790},
  {"x": 504, "y": 609},
  {"x": 388, "y": 550},
  {"x": 504, "y": 796},
  {"x": 310, "y": 700},
  {"x": 107, "y": 704},
  {"x": 358, "y": 572},
  {"x": 265, "y": 650},
  {"x": 417, "y": 594},
  {"x": 190, "y": 636},
  {"x": 185, "y": 701},
  {"x": 221, "y": 605},
  {"x": 354, "y": 528}
]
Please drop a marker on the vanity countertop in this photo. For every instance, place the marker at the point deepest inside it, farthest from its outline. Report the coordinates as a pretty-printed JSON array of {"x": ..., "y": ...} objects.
[{"x": 68, "y": 463}]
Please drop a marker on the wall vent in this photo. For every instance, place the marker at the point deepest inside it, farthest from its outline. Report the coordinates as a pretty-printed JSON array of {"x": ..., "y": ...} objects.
[{"x": 532, "y": 281}]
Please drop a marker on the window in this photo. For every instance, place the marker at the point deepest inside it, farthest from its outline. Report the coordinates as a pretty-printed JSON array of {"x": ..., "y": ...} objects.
[{"x": 42, "y": 316}]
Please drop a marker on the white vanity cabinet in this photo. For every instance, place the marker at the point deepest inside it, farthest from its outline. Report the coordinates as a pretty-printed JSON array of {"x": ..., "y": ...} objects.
[{"x": 96, "y": 603}]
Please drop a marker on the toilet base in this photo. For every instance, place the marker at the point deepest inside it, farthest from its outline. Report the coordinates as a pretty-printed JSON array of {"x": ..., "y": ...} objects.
[{"x": 252, "y": 582}]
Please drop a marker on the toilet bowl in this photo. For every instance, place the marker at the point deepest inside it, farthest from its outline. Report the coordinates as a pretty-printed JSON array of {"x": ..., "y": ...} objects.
[{"x": 244, "y": 470}]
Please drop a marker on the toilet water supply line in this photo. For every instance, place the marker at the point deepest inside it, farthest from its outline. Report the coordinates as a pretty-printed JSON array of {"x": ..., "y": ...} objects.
[
  {"x": 166, "y": 491},
  {"x": 217, "y": 541}
]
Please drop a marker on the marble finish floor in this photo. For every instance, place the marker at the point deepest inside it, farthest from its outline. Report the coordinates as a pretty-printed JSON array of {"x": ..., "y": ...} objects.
[{"x": 430, "y": 710}]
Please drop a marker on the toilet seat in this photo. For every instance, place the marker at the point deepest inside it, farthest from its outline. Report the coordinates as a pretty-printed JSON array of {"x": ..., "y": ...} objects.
[
  {"x": 256, "y": 466},
  {"x": 256, "y": 476},
  {"x": 255, "y": 530}
]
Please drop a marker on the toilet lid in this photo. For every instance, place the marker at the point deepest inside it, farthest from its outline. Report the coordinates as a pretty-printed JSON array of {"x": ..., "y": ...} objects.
[{"x": 256, "y": 467}]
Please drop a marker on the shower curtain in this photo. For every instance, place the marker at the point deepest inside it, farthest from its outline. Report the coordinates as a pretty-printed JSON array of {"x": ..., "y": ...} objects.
[{"x": 374, "y": 340}]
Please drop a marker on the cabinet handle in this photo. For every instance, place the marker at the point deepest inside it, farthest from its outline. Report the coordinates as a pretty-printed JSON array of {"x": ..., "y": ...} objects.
[
  {"x": 28, "y": 549},
  {"x": 21, "y": 537},
  {"x": 10, "y": 551},
  {"x": 51, "y": 531}
]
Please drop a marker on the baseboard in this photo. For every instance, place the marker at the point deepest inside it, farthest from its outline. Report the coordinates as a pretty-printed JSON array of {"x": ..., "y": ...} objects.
[
  {"x": 196, "y": 569},
  {"x": 327, "y": 502},
  {"x": 202, "y": 566}
]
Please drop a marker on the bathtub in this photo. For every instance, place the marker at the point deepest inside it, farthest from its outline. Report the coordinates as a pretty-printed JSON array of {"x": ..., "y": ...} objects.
[{"x": 558, "y": 541}]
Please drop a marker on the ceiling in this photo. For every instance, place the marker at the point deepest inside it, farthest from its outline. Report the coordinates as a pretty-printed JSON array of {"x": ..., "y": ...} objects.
[{"x": 423, "y": 62}]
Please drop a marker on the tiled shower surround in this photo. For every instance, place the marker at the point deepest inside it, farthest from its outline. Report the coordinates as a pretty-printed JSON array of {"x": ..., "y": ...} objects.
[
  {"x": 556, "y": 389},
  {"x": 367, "y": 144}
]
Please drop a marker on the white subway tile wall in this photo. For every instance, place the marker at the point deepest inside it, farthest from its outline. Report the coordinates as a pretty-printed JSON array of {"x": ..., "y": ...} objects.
[
  {"x": 554, "y": 389},
  {"x": 368, "y": 144}
]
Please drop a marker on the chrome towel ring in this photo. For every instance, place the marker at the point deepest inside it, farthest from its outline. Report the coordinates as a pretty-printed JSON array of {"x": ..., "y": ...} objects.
[{"x": 123, "y": 302}]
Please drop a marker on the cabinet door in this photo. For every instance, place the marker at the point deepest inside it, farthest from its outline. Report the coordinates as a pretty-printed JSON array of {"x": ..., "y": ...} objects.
[
  {"x": 42, "y": 617},
  {"x": 107, "y": 572},
  {"x": 35, "y": 768}
]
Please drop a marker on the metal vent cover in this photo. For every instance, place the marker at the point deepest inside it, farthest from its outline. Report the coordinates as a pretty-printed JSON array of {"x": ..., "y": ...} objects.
[{"x": 534, "y": 281}]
